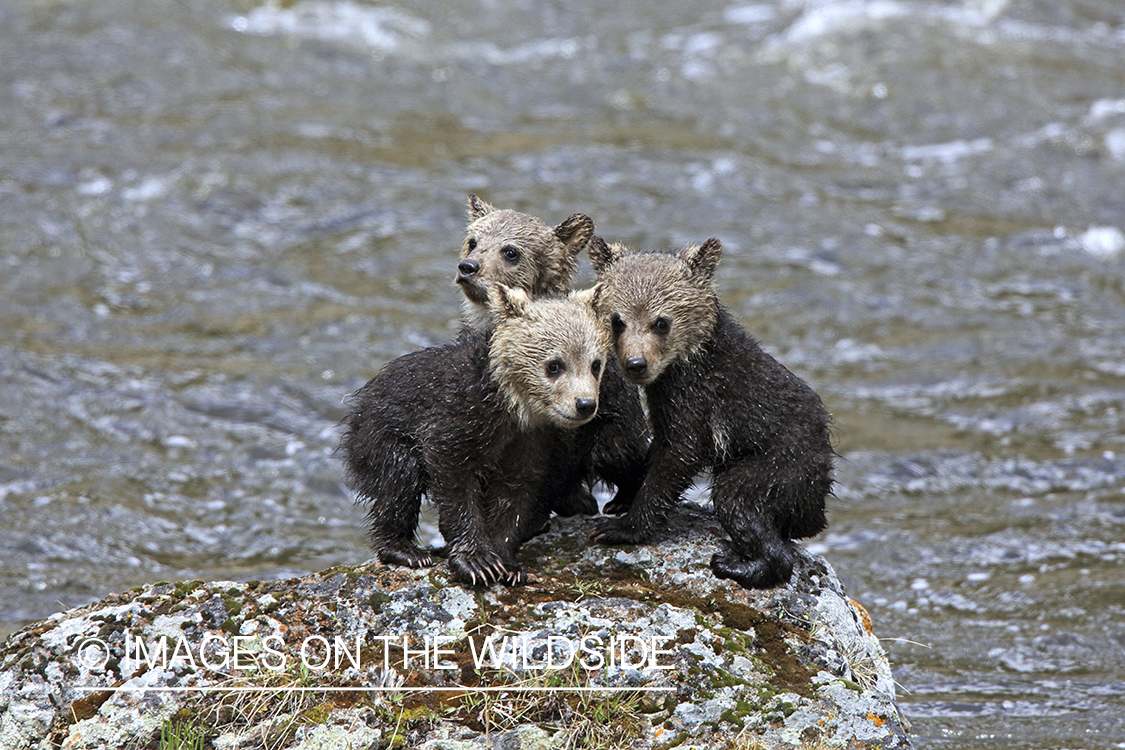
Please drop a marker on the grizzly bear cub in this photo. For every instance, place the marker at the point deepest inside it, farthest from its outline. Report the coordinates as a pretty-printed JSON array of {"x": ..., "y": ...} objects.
[
  {"x": 518, "y": 250},
  {"x": 473, "y": 425},
  {"x": 717, "y": 403}
]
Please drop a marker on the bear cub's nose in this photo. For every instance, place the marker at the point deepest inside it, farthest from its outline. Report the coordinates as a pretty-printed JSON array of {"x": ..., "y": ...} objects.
[
  {"x": 585, "y": 406},
  {"x": 636, "y": 365},
  {"x": 468, "y": 267}
]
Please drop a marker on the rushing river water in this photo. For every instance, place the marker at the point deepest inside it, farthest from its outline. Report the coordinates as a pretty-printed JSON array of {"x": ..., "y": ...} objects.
[{"x": 217, "y": 218}]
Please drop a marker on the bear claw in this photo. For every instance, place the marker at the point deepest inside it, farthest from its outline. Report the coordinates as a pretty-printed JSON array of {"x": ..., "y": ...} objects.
[
  {"x": 619, "y": 505},
  {"x": 517, "y": 576},
  {"x": 479, "y": 569},
  {"x": 617, "y": 531},
  {"x": 409, "y": 556}
]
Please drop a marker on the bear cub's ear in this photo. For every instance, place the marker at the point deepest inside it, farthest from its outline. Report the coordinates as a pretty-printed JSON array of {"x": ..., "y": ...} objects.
[
  {"x": 575, "y": 232},
  {"x": 602, "y": 255},
  {"x": 589, "y": 297},
  {"x": 478, "y": 208},
  {"x": 703, "y": 259},
  {"x": 508, "y": 302}
]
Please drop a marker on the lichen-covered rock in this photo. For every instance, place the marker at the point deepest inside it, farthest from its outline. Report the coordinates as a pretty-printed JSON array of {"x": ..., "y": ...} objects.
[{"x": 607, "y": 647}]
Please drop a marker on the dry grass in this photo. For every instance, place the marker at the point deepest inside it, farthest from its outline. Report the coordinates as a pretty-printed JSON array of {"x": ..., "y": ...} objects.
[{"x": 586, "y": 718}]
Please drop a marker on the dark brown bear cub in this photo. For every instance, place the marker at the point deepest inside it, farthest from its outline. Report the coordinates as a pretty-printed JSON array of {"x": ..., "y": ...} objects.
[
  {"x": 717, "y": 403},
  {"x": 473, "y": 425}
]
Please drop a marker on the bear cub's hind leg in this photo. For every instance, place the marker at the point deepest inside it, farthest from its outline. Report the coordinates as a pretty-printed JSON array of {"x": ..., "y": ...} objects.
[
  {"x": 757, "y": 555},
  {"x": 393, "y": 523}
]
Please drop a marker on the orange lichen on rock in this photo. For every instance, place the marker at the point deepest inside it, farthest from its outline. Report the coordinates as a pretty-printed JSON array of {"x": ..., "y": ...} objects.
[{"x": 863, "y": 616}]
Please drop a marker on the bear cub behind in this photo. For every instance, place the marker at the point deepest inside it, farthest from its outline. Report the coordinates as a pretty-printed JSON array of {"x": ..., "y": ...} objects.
[
  {"x": 717, "y": 403},
  {"x": 517, "y": 250},
  {"x": 473, "y": 426}
]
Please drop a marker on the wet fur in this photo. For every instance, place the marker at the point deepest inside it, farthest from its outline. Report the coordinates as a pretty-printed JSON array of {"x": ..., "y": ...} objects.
[
  {"x": 475, "y": 432},
  {"x": 717, "y": 403}
]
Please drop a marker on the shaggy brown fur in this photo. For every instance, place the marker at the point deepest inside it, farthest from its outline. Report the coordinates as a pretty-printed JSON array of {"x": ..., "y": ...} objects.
[
  {"x": 548, "y": 356},
  {"x": 475, "y": 426},
  {"x": 718, "y": 403},
  {"x": 517, "y": 250},
  {"x": 651, "y": 290}
]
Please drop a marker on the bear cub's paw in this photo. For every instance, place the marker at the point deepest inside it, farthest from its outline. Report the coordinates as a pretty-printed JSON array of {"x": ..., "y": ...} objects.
[
  {"x": 618, "y": 530},
  {"x": 578, "y": 502},
  {"x": 481, "y": 567},
  {"x": 749, "y": 573},
  {"x": 517, "y": 576},
  {"x": 620, "y": 504},
  {"x": 409, "y": 556}
]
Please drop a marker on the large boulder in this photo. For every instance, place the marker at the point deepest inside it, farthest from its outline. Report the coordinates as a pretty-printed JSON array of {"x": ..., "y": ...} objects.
[{"x": 607, "y": 647}]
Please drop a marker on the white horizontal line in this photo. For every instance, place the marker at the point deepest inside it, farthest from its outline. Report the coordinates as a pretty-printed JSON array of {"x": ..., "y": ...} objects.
[{"x": 426, "y": 689}]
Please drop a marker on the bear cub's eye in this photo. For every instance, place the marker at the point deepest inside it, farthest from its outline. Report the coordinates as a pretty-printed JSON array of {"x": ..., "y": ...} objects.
[
  {"x": 596, "y": 367},
  {"x": 472, "y": 243},
  {"x": 617, "y": 324},
  {"x": 555, "y": 368},
  {"x": 661, "y": 326},
  {"x": 511, "y": 253}
]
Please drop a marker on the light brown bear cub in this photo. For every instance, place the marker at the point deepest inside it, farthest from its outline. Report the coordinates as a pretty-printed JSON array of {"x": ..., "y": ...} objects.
[
  {"x": 517, "y": 250},
  {"x": 717, "y": 403},
  {"x": 472, "y": 426}
]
